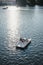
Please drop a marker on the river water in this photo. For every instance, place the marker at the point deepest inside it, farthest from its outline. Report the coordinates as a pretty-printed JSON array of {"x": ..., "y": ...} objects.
[{"x": 16, "y": 22}]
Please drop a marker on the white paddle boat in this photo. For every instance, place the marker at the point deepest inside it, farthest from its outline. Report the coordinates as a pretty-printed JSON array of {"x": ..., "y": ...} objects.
[{"x": 23, "y": 43}]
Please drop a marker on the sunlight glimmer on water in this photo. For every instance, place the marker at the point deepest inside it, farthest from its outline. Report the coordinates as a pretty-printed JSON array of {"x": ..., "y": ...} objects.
[{"x": 12, "y": 25}]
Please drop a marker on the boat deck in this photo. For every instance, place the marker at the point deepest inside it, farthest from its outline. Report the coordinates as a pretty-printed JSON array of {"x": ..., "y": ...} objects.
[{"x": 24, "y": 44}]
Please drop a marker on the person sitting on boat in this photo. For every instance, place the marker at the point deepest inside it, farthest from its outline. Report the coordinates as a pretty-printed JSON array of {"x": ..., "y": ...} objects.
[{"x": 23, "y": 39}]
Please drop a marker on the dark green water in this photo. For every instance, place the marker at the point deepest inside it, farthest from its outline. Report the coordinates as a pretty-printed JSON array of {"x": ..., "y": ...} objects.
[{"x": 21, "y": 22}]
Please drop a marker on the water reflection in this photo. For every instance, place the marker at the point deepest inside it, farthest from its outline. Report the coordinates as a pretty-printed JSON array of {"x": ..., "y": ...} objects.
[{"x": 12, "y": 26}]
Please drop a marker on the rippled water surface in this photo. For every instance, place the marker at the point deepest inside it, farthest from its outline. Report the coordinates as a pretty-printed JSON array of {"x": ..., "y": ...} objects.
[{"x": 21, "y": 22}]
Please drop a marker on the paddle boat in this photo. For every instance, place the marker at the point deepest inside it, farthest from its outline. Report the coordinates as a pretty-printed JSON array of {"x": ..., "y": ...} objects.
[{"x": 23, "y": 43}]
